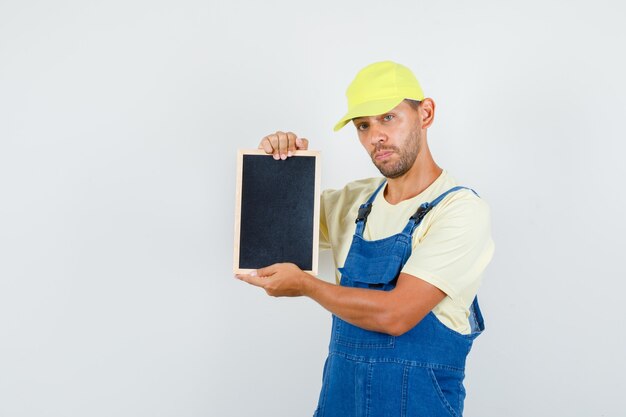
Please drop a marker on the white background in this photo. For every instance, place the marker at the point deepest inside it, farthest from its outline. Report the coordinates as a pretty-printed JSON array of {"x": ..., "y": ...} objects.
[{"x": 119, "y": 124}]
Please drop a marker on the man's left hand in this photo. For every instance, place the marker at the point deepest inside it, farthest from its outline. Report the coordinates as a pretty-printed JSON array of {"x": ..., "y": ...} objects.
[{"x": 278, "y": 280}]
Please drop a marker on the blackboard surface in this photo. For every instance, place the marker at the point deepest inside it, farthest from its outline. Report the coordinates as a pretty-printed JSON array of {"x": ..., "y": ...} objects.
[{"x": 277, "y": 211}]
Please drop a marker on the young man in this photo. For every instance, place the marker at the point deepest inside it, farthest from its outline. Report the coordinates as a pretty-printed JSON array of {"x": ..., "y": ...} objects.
[{"x": 405, "y": 311}]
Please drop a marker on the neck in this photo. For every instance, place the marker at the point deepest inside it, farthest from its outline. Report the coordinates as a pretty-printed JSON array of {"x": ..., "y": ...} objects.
[{"x": 421, "y": 175}]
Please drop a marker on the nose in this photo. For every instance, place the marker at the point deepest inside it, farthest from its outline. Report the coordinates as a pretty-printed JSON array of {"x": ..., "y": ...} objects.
[{"x": 377, "y": 134}]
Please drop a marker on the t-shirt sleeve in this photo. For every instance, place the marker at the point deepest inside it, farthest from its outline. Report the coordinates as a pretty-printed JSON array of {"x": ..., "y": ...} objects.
[
  {"x": 455, "y": 248},
  {"x": 324, "y": 239}
]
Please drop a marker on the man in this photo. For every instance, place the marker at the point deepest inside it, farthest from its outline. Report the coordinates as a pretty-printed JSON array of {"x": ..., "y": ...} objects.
[{"x": 405, "y": 312}]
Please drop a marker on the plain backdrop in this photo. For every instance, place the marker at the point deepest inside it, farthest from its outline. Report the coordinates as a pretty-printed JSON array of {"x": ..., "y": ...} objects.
[{"x": 119, "y": 125}]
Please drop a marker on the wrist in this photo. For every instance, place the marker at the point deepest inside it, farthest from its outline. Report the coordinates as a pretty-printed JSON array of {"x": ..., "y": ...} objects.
[{"x": 308, "y": 284}]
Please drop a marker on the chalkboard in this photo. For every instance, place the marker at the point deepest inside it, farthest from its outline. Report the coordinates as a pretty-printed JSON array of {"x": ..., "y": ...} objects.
[{"x": 277, "y": 210}]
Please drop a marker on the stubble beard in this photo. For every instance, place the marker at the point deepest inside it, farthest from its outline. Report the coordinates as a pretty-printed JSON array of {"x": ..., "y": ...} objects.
[{"x": 406, "y": 156}]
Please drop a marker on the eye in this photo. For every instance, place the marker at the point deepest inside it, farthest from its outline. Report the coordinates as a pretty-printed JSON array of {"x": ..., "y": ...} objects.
[
  {"x": 361, "y": 126},
  {"x": 388, "y": 117}
]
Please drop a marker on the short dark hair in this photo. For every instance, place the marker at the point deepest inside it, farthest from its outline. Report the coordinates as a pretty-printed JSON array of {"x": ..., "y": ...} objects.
[{"x": 413, "y": 103}]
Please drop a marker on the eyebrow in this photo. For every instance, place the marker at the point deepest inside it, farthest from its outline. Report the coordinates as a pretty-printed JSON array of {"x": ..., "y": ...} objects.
[{"x": 364, "y": 118}]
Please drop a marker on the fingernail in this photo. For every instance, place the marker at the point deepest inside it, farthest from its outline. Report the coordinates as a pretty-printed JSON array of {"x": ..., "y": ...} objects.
[
  {"x": 289, "y": 154},
  {"x": 276, "y": 156},
  {"x": 253, "y": 274},
  {"x": 283, "y": 157}
]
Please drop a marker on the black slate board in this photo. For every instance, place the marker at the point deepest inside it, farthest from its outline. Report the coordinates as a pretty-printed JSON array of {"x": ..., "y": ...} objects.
[{"x": 277, "y": 217}]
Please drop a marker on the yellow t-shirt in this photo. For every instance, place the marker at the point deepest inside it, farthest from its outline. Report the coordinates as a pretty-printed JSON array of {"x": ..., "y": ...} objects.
[{"x": 451, "y": 247}]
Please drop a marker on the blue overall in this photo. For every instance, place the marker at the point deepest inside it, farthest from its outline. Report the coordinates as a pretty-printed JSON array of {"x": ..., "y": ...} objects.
[{"x": 372, "y": 374}]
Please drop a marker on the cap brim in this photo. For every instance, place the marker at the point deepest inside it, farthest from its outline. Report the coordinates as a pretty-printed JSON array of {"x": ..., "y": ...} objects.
[{"x": 370, "y": 108}]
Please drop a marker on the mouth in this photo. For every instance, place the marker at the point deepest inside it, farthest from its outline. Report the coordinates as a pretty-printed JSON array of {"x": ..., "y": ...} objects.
[{"x": 382, "y": 155}]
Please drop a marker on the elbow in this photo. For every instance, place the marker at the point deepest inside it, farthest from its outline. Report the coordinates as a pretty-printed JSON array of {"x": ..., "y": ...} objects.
[
  {"x": 395, "y": 325},
  {"x": 398, "y": 321},
  {"x": 398, "y": 329},
  {"x": 396, "y": 317}
]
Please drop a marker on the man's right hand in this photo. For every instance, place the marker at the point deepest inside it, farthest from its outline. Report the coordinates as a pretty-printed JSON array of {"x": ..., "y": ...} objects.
[{"x": 282, "y": 145}]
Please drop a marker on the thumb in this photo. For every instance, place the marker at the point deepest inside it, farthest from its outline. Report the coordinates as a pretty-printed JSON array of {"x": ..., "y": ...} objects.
[{"x": 267, "y": 271}]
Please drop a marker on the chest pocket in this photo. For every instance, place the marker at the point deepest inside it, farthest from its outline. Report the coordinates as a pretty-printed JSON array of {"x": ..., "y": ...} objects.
[
  {"x": 375, "y": 264},
  {"x": 372, "y": 265}
]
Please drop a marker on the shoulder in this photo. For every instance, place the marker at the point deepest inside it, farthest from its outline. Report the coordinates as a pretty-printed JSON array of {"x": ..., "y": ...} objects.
[
  {"x": 465, "y": 200},
  {"x": 461, "y": 213},
  {"x": 342, "y": 205},
  {"x": 354, "y": 191}
]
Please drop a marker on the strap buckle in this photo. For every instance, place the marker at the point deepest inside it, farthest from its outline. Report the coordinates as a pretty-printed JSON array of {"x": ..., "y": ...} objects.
[
  {"x": 364, "y": 211},
  {"x": 422, "y": 210}
]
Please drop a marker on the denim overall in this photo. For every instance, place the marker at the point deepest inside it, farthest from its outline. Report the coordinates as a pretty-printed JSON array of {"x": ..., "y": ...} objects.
[{"x": 372, "y": 374}]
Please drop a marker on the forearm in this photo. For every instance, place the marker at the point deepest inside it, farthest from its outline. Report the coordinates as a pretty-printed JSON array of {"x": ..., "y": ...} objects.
[
  {"x": 393, "y": 312},
  {"x": 368, "y": 309}
]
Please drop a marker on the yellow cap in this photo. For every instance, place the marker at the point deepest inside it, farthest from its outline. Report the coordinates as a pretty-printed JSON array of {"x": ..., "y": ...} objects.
[{"x": 378, "y": 88}]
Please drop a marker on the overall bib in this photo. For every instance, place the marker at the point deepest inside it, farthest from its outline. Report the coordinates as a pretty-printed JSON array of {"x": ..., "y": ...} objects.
[{"x": 372, "y": 374}]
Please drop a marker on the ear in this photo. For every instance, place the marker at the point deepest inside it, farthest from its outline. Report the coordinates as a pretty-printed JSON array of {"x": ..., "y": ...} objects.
[{"x": 427, "y": 112}]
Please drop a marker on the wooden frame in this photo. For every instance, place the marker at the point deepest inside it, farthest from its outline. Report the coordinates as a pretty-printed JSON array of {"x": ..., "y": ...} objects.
[{"x": 267, "y": 200}]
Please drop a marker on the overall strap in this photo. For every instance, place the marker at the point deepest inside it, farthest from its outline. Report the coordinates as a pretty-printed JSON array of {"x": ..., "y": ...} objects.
[
  {"x": 424, "y": 208},
  {"x": 365, "y": 209}
]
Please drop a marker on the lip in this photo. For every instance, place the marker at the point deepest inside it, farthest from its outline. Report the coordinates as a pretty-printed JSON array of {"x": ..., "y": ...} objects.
[{"x": 382, "y": 155}]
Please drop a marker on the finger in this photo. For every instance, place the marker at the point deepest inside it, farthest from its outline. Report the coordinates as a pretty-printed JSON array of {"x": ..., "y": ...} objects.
[
  {"x": 268, "y": 271},
  {"x": 273, "y": 141},
  {"x": 251, "y": 279},
  {"x": 283, "y": 144},
  {"x": 302, "y": 143},
  {"x": 266, "y": 145},
  {"x": 291, "y": 144}
]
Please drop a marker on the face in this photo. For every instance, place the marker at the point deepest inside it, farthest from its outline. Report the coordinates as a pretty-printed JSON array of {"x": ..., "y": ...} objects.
[{"x": 392, "y": 139}]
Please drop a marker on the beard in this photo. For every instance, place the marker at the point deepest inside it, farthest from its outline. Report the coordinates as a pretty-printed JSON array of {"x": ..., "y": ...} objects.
[{"x": 406, "y": 156}]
